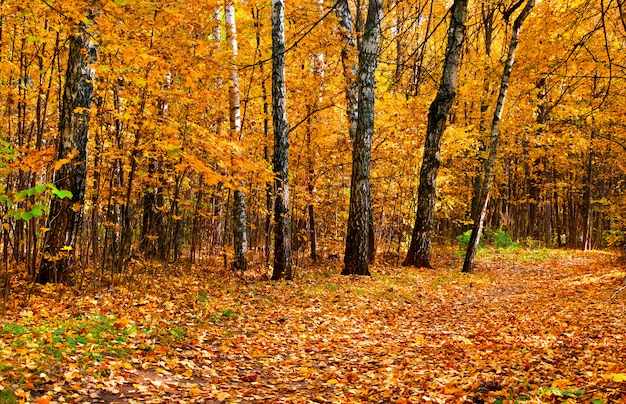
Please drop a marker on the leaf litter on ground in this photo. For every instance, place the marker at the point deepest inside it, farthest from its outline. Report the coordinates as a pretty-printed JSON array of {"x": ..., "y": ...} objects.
[{"x": 537, "y": 329}]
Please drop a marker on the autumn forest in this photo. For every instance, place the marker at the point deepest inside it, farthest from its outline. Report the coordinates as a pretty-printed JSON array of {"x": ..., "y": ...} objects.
[{"x": 192, "y": 191}]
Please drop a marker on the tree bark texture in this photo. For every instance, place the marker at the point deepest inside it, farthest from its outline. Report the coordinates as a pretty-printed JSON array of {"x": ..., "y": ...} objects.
[
  {"x": 64, "y": 218},
  {"x": 152, "y": 220},
  {"x": 282, "y": 236},
  {"x": 420, "y": 248},
  {"x": 348, "y": 61},
  {"x": 487, "y": 16},
  {"x": 494, "y": 139},
  {"x": 313, "y": 121},
  {"x": 240, "y": 233},
  {"x": 587, "y": 225},
  {"x": 359, "y": 219}
]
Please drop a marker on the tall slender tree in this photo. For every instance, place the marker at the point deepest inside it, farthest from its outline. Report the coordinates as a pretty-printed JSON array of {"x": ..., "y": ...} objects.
[
  {"x": 348, "y": 61},
  {"x": 420, "y": 248},
  {"x": 64, "y": 219},
  {"x": 359, "y": 220},
  {"x": 494, "y": 139},
  {"x": 282, "y": 237},
  {"x": 240, "y": 234},
  {"x": 313, "y": 121}
]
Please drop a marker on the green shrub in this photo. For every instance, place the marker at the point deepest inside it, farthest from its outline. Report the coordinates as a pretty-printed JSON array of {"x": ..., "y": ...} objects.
[
  {"x": 502, "y": 239},
  {"x": 498, "y": 238},
  {"x": 464, "y": 238}
]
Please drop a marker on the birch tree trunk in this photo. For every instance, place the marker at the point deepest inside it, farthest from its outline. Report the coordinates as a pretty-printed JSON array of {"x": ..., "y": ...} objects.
[
  {"x": 359, "y": 219},
  {"x": 494, "y": 140},
  {"x": 420, "y": 248},
  {"x": 64, "y": 218},
  {"x": 487, "y": 16},
  {"x": 348, "y": 61},
  {"x": 240, "y": 234},
  {"x": 282, "y": 237},
  {"x": 349, "y": 64}
]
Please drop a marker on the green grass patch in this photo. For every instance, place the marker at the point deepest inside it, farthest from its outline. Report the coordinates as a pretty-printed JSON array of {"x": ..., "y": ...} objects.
[
  {"x": 7, "y": 397},
  {"x": 520, "y": 253},
  {"x": 85, "y": 337}
]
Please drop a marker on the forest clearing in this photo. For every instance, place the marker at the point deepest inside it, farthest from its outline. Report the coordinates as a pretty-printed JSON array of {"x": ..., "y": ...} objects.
[{"x": 528, "y": 326}]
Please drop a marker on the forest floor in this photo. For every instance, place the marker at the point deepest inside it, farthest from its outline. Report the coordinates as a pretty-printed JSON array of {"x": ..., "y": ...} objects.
[{"x": 527, "y": 326}]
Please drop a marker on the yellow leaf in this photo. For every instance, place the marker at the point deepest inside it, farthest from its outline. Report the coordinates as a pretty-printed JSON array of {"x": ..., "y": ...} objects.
[
  {"x": 616, "y": 377},
  {"x": 222, "y": 395},
  {"x": 333, "y": 381},
  {"x": 562, "y": 384},
  {"x": 70, "y": 375},
  {"x": 156, "y": 383},
  {"x": 60, "y": 163}
]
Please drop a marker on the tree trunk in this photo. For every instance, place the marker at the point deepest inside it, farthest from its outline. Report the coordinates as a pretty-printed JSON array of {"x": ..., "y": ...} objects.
[
  {"x": 587, "y": 223},
  {"x": 64, "y": 219},
  {"x": 487, "y": 14},
  {"x": 348, "y": 61},
  {"x": 282, "y": 237},
  {"x": 269, "y": 203},
  {"x": 152, "y": 219},
  {"x": 348, "y": 55},
  {"x": 197, "y": 222},
  {"x": 240, "y": 233},
  {"x": 420, "y": 248},
  {"x": 490, "y": 163},
  {"x": 360, "y": 217}
]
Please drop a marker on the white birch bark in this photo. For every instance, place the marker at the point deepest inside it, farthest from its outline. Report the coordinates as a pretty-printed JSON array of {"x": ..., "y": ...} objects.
[
  {"x": 494, "y": 140},
  {"x": 240, "y": 236},
  {"x": 348, "y": 61},
  {"x": 359, "y": 219}
]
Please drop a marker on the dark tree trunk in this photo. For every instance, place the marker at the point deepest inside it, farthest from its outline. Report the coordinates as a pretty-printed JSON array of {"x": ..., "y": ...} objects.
[
  {"x": 197, "y": 222},
  {"x": 269, "y": 203},
  {"x": 312, "y": 235},
  {"x": 64, "y": 219},
  {"x": 420, "y": 248},
  {"x": 282, "y": 237},
  {"x": 490, "y": 163},
  {"x": 357, "y": 252},
  {"x": 587, "y": 222},
  {"x": 152, "y": 219}
]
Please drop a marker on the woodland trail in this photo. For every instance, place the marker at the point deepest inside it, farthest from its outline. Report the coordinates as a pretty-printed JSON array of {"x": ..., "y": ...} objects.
[{"x": 543, "y": 326}]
